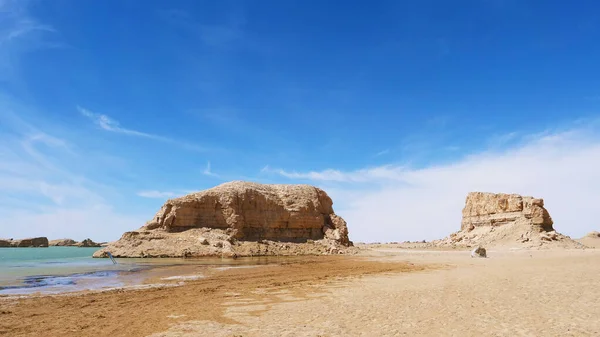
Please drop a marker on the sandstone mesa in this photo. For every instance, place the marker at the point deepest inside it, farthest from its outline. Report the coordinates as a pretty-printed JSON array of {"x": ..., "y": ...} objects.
[
  {"x": 491, "y": 219},
  {"x": 239, "y": 219}
]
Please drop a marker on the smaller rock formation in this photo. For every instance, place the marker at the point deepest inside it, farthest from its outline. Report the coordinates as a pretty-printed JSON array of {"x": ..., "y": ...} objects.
[
  {"x": 24, "y": 243},
  {"x": 87, "y": 243},
  {"x": 62, "y": 242},
  {"x": 32, "y": 242},
  {"x": 479, "y": 252},
  {"x": 591, "y": 239},
  {"x": 506, "y": 220}
]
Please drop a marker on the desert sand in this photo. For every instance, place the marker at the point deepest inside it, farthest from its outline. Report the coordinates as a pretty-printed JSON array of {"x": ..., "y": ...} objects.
[{"x": 386, "y": 291}]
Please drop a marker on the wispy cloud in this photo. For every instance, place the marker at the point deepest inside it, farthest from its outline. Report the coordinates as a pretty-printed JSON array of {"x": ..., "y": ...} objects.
[
  {"x": 426, "y": 203},
  {"x": 367, "y": 175},
  {"x": 502, "y": 140},
  {"x": 16, "y": 22},
  {"x": 383, "y": 152},
  {"x": 207, "y": 171},
  {"x": 156, "y": 194},
  {"x": 20, "y": 33},
  {"x": 108, "y": 124},
  {"x": 44, "y": 192}
]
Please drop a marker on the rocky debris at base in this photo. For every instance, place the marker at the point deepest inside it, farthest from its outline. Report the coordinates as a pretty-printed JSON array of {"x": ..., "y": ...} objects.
[
  {"x": 24, "y": 243},
  {"x": 202, "y": 242},
  {"x": 240, "y": 219},
  {"x": 506, "y": 220},
  {"x": 62, "y": 242}
]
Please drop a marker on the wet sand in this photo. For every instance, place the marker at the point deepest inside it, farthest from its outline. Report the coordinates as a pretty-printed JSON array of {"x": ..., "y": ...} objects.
[
  {"x": 146, "y": 311},
  {"x": 512, "y": 293}
]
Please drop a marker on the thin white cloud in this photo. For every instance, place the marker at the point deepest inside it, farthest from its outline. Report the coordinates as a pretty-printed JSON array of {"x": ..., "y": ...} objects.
[
  {"x": 367, "y": 175},
  {"x": 20, "y": 33},
  {"x": 156, "y": 194},
  {"x": 383, "y": 152},
  {"x": 25, "y": 27},
  {"x": 208, "y": 172},
  {"x": 393, "y": 203},
  {"x": 108, "y": 124},
  {"x": 43, "y": 194}
]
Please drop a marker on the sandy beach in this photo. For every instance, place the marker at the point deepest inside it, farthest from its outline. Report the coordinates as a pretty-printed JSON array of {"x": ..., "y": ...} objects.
[{"x": 385, "y": 291}]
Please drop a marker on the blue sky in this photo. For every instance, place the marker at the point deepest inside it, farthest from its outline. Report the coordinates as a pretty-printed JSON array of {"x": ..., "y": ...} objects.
[{"x": 396, "y": 108}]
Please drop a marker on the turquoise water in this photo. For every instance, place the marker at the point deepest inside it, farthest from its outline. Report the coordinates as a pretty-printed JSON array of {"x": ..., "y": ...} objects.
[
  {"x": 64, "y": 269},
  {"x": 42, "y": 268}
]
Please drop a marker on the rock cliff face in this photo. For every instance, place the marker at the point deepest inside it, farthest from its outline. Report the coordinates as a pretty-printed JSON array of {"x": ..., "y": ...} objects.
[
  {"x": 506, "y": 220},
  {"x": 237, "y": 218},
  {"x": 29, "y": 242},
  {"x": 488, "y": 209}
]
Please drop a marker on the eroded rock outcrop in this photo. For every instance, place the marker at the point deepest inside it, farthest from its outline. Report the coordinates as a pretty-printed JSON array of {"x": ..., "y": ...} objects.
[
  {"x": 239, "y": 219},
  {"x": 62, "y": 242},
  {"x": 489, "y": 209},
  {"x": 506, "y": 220},
  {"x": 591, "y": 239},
  {"x": 87, "y": 243},
  {"x": 29, "y": 242}
]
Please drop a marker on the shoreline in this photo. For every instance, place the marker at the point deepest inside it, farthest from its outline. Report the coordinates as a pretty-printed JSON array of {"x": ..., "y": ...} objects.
[
  {"x": 129, "y": 272},
  {"x": 88, "y": 313},
  {"x": 389, "y": 290}
]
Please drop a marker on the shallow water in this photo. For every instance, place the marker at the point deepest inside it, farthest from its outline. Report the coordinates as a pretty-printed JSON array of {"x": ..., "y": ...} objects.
[
  {"x": 29, "y": 268},
  {"x": 66, "y": 269}
]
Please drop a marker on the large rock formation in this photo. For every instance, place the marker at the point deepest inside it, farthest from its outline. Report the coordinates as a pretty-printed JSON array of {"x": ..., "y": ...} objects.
[
  {"x": 29, "y": 242},
  {"x": 239, "y": 219},
  {"x": 506, "y": 220}
]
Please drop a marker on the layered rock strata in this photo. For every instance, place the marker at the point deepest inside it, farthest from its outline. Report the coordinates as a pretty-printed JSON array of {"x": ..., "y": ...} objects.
[
  {"x": 239, "y": 219},
  {"x": 506, "y": 220}
]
